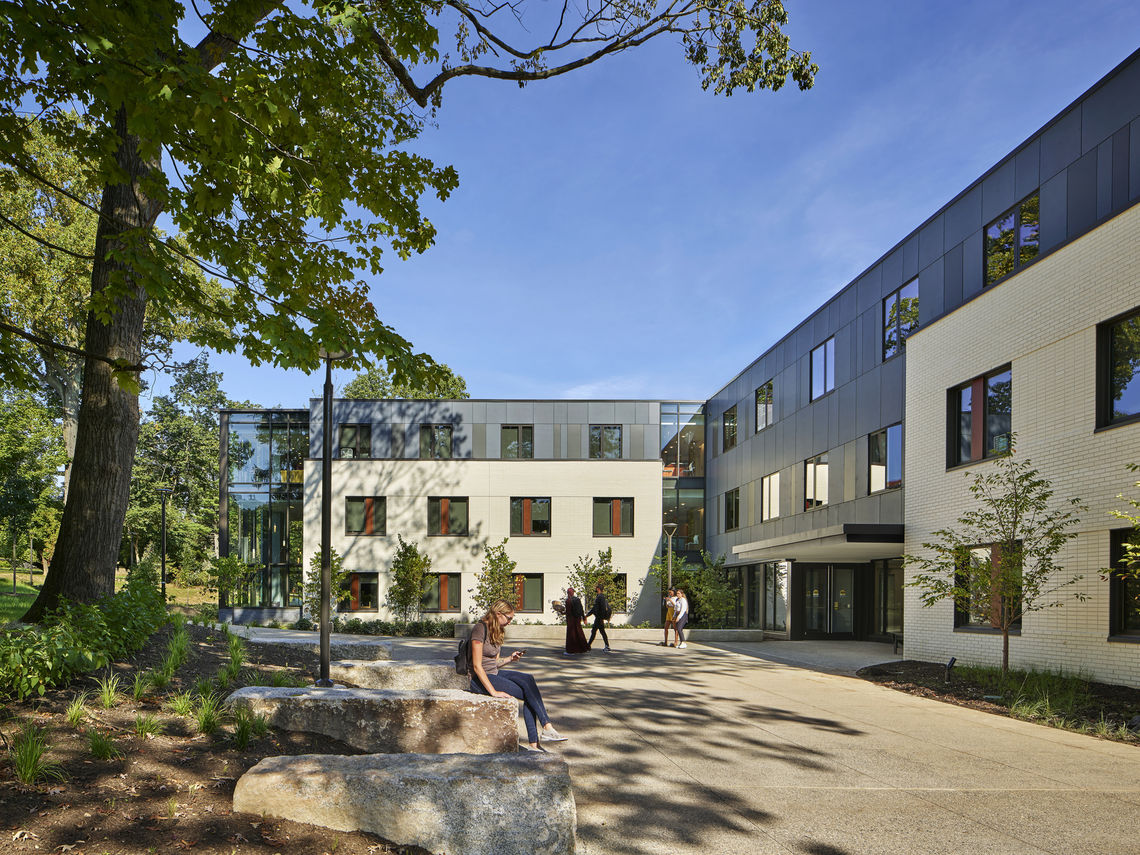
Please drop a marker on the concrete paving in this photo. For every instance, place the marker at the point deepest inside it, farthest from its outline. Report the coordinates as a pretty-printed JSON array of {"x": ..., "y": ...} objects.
[{"x": 772, "y": 747}]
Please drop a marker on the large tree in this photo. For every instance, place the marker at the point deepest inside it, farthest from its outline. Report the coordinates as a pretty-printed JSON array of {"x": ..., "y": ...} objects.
[
  {"x": 275, "y": 148},
  {"x": 376, "y": 383}
]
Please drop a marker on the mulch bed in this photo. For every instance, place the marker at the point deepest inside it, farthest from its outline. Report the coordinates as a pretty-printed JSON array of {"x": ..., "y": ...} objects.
[
  {"x": 928, "y": 679},
  {"x": 168, "y": 793}
]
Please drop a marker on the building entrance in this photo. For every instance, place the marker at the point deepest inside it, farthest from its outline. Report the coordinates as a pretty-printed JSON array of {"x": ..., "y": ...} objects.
[{"x": 828, "y": 601}]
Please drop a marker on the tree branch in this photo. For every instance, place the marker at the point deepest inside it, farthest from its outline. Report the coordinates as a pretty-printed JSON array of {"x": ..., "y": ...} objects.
[{"x": 117, "y": 364}]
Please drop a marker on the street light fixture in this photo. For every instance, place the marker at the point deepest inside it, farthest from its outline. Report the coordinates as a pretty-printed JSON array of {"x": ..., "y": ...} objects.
[
  {"x": 163, "y": 492},
  {"x": 670, "y": 530},
  {"x": 326, "y": 515}
]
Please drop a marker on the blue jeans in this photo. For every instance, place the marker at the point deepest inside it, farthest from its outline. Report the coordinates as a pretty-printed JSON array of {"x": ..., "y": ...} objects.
[{"x": 519, "y": 685}]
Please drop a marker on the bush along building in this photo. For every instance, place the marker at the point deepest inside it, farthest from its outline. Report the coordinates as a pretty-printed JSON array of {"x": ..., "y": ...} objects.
[{"x": 1009, "y": 317}]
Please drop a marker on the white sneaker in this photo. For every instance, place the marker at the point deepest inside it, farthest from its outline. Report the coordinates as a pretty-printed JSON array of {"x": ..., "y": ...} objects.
[
  {"x": 550, "y": 735},
  {"x": 682, "y": 644}
]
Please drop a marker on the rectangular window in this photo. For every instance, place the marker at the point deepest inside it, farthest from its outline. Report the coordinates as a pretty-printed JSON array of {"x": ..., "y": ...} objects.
[
  {"x": 355, "y": 441},
  {"x": 1013, "y": 239},
  {"x": 770, "y": 497},
  {"x": 1118, "y": 370},
  {"x": 528, "y": 592},
  {"x": 981, "y": 418},
  {"x": 885, "y": 459},
  {"x": 605, "y": 442},
  {"x": 823, "y": 369},
  {"x": 516, "y": 442},
  {"x": 764, "y": 411},
  {"x": 1124, "y": 583},
  {"x": 732, "y": 509},
  {"x": 530, "y": 517},
  {"x": 815, "y": 482},
  {"x": 435, "y": 442},
  {"x": 447, "y": 516},
  {"x": 613, "y": 517},
  {"x": 900, "y": 318},
  {"x": 365, "y": 515},
  {"x": 729, "y": 428},
  {"x": 988, "y": 595},
  {"x": 441, "y": 593},
  {"x": 363, "y": 593}
]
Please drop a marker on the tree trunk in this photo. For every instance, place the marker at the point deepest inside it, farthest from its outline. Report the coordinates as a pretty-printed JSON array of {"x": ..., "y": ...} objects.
[
  {"x": 91, "y": 530},
  {"x": 1005, "y": 651}
]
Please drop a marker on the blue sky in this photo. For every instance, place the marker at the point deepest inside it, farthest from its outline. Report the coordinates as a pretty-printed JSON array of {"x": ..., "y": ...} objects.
[{"x": 618, "y": 232}]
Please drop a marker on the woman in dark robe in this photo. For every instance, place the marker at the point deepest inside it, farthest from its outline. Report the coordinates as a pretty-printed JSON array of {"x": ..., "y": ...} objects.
[{"x": 575, "y": 617}]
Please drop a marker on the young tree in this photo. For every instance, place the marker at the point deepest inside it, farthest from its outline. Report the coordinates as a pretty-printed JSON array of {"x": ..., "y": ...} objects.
[
  {"x": 376, "y": 382},
  {"x": 495, "y": 579},
  {"x": 1130, "y": 562},
  {"x": 999, "y": 564},
  {"x": 285, "y": 131},
  {"x": 409, "y": 573},
  {"x": 339, "y": 591},
  {"x": 706, "y": 586},
  {"x": 586, "y": 574}
]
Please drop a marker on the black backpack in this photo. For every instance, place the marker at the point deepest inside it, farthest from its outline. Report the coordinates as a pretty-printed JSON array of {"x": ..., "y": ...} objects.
[
  {"x": 463, "y": 657},
  {"x": 606, "y": 612}
]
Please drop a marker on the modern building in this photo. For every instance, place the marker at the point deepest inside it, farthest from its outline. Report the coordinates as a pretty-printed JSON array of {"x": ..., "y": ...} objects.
[{"x": 1010, "y": 316}]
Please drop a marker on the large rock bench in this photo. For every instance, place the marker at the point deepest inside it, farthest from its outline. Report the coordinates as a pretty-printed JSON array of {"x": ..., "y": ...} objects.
[
  {"x": 385, "y": 721},
  {"x": 340, "y": 648},
  {"x": 455, "y": 804},
  {"x": 402, "y": 674}
]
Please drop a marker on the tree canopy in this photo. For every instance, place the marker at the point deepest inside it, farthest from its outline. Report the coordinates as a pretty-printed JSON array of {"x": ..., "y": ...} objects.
[
  {"x": 376, "y": 382},
  {"x": 274, "y": 141}
]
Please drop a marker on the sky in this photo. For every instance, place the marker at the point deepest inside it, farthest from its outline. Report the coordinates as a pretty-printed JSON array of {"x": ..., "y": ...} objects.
[{"x": 620, "y": 233}]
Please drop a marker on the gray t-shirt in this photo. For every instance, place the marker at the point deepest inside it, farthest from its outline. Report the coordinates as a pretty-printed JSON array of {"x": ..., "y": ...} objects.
[{"x": 490, "y": 651}]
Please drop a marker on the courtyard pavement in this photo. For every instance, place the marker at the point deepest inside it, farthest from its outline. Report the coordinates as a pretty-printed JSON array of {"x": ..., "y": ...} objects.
[{"x": 773, "y": 747}]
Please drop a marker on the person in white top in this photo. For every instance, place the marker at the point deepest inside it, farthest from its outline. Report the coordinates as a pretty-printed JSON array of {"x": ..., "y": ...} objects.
[{"x": 681, "y": 616}]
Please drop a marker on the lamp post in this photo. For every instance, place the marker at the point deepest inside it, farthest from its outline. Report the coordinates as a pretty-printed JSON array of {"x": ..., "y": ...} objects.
[
  {"x": 326, "y": 515},
  {"x": 670, "y": 530},
  {"x": 163, "y": 492}
]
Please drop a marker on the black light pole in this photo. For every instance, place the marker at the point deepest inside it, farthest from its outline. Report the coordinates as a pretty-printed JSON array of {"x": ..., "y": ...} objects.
[
  {"x": 163, "y": 492},
  {"x": 326, "y": 517}
]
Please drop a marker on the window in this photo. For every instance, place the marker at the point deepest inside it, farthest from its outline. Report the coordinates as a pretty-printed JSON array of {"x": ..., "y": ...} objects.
[
  {"x": 732, "y": 509},
  {"x": 1013, "y": 239},
  {"x": 530, "y": 517},
  {"x": 1118, "y": 370},
  {"x": 528, "y": 592},
  {"x": 770, "y": 497},
  {"x": 516, "y": 442},
  {"x": 1124, "y": 584},
  {"x": 605, "y": 442},
  {"x": 900, "y": 318},
  {"x": 363, "y": 593},
  {"x": 815, "y": 482},
  {"x": 981, "y": 417},
  {"x": 729, "y": 429},
  {"x": 682, "y": 440},
  {"x": 442, "y": 593},
  {"x": 435, "y": 442},
  {"x": 613, "y": 517},
  {"x": 355, "y": 441},
  {"x": 365, "y": 515},
  {"x": 764, "y": 406},
  {"x": 823, "y": 369},
  {"x": 885, "y": 459},
  {"x": 447, "y": 516},
  {"x": 987, "y": 599}
]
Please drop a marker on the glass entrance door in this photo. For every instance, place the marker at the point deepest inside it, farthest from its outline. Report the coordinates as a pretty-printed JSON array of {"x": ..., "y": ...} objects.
[
  {"x": 829, "y": 601},
  {"x": 842, "y": 601}
]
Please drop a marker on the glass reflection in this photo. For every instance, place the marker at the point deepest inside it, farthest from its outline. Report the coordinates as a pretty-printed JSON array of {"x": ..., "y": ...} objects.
[
  {"x": 682, "y": 441},
  {"x": 248, "y": 453},
  {"x": 1125, "y": 368},
  {"x": 686, "y": 508}
]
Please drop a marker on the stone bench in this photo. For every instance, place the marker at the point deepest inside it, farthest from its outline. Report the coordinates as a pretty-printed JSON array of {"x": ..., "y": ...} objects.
[
  {"x": 456, "y": 804},
  {"x": 385, "y": 721},
  {"x": 398, "y": 674}
]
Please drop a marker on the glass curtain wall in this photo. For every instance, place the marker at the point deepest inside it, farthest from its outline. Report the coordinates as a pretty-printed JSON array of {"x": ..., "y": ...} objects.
[
  {"x": 264, "y": 515},
  {"x": 683, "y": 473}
]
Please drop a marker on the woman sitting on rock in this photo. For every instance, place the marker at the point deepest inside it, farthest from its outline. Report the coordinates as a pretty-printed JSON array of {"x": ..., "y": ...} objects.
[{"x": 485, "y": 641}]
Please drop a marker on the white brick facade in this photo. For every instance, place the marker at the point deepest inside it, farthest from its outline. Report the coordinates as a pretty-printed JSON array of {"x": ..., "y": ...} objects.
[{"x": 1042, "y": 322}]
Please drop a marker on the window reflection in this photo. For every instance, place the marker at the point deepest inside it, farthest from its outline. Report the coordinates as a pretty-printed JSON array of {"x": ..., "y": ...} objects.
[
  {"x": 686, "y": 508},
  {"x": 682, "y": 441}
]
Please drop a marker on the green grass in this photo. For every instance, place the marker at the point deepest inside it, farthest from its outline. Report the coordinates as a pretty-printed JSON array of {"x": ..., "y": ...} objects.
[
  {"x": 77, "y": 709},
  {"x": 1037, "y": 695},
  {"x": 108, "y": 690},
  {"x": 181, "y": 704},
  {"x": 209, "y": 714},
  {"x": 102, "y": 746},
  {"x": 148, "y": 724},
  {"x": 12, "y": 608},
  {"x": 27, "y": 752}
]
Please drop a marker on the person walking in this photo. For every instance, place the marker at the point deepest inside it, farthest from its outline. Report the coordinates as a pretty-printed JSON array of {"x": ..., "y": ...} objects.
[
  {"x": 484, "y": 644},
  {"x": 681, "y": 617},
  {"x": 575, "y": 617},
  {"x": 602, "y": 613},
  {"x": 670, "y": 610}
]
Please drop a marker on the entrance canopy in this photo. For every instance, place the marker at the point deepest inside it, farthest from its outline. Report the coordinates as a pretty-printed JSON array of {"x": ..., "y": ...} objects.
[{"x": 842, "y": 543}]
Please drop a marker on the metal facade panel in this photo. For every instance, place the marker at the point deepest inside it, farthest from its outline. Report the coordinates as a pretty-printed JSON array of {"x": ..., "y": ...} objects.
[
  {"x": 892, "y": 273},
  {"x": 1027, "y": 170},
  {"x": 544, "y": 440},
  {"x": 479, "y": 440},
  {"x": 1134, "y": 160},
  {"x": 1110, "y": 107},
  {"x": 1053, "y": 212},
  {"x": 951, "y": 290},
  {"x": 910, "y": 258},
  {"x": 999, "y": 194},
  {"x": 931, "y": 294},
  {"x": 636, "y": 441},
  {"x": 1120, "y": 145},
  {"x": 496, "y": 412},
  {"x": 543, "y": 412},
  {"x": 870, "y": 288},
  {"x": 1061, "y": 144},
  {"x": 519, "y": 413},
  {"x": 1081, "y": 195},
  {"x": 602, "y": 412},
  {"x": 972, "y": 265},
  {"x": 1104, "y": 179},
  {"x": 931, "y": 242},
  {"x": 575, "y": 449},
  {"x": 625, "y": 412},
  {"x": 494, "y": 440}
]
